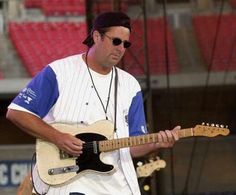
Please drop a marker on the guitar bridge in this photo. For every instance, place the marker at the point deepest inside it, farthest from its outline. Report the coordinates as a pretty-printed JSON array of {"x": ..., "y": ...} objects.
[{"x": 62, "y": 170}]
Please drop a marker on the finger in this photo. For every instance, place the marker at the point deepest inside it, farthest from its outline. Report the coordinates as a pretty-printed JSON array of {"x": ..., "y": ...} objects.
[
  {"x": 164, "y": 136},
  {"x": 76, "y": 146},
  {"x": 73, "y": 151},
  {"x": 160, "y": 137},
  {"x": 170, "y": 136},
  {"x": 77, "y": 141},
  {"x": 175, "y": 132}
]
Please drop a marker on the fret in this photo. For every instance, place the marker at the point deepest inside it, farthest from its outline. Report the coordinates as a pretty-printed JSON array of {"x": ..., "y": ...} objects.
[
  {"x": 135, "y": 141},
  {"x": 131, "y": 141},
  {"x": 109, "y": 145},
  {"x": 122, "y": 143},
  {"x": 185, "y": 133},
  {"x": 153, "y": 137}
]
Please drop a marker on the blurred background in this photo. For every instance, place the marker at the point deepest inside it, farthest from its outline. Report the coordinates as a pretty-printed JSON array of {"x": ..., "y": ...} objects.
[{"x": 183, "y": 54}]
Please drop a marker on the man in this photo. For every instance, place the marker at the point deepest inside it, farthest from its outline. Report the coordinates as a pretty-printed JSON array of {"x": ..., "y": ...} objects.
[{"x": 83, "y": 89}]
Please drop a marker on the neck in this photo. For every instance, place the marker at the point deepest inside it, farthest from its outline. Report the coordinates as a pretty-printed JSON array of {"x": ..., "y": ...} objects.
[{"x": 94, "y": 64}]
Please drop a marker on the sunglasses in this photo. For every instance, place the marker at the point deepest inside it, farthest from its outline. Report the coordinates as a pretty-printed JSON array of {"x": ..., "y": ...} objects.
[{"x": 117, "y": 41}]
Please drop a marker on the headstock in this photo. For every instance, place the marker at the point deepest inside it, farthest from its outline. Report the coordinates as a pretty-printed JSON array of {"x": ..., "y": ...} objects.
[
  {"x": 148, "y": 168},
  {"x": 210, "y": 130}
]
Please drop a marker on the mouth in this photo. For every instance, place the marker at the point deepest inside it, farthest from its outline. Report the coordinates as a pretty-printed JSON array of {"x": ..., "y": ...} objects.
[{"x": 115, "y": 56}]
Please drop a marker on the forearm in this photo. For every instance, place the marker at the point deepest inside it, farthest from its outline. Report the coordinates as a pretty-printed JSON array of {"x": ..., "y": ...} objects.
[
  {"x": 32, "y": 125},
  {"x": 166, "y": 139},
  {"x": 36, "y": 127},
  {"x": 143, "y": 150}
]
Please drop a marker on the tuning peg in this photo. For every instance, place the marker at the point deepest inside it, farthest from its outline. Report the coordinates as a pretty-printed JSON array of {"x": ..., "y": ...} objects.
[
  {"x": 212, "y": 124},
  {"x": 203, "y": 123},
  {"x": 207, "y": 124},
  {"x": 222, "y": 126},
  {"x": 139, "y": 163},
  {"x": 217, "y": 125}
]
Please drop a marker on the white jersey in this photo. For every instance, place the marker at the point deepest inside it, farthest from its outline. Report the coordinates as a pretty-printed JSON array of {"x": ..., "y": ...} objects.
[{"x": 63, "y": 92}]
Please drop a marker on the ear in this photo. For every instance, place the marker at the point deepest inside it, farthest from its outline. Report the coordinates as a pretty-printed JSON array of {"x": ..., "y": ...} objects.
[{"x": 96, "y": 36}]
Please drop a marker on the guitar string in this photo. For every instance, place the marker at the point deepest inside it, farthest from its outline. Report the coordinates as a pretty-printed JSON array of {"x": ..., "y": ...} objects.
[
  {"x": 88, "y": 145},
  {"x": 109, "y": 92}
]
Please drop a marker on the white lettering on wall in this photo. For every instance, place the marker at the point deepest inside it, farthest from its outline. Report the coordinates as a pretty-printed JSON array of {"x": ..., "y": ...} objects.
[
  {"x": 3, "y": 174},
  {"x": 18, "y": 172}
]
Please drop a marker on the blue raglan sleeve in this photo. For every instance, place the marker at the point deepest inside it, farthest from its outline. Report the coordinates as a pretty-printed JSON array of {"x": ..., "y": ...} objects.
[
  {"x": 136, "y": 116},
  {"x": 40, "y": 94}
]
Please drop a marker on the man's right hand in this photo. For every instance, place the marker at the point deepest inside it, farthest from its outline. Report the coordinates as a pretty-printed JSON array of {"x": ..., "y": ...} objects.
[{"x": 69, "y": 144}]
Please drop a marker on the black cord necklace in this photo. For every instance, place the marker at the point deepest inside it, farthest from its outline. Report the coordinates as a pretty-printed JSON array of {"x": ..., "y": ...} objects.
[{"x": 109, "y": 92}]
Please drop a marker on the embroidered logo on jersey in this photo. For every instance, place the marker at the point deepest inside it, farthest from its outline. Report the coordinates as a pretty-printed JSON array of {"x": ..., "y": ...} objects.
[
  {"x": 144, "y": 129},
  {"x": 125, "y": 112},
  {"x": 27, "y": 94}
]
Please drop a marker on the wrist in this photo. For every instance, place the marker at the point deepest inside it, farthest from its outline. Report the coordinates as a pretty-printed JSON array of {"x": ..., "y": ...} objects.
[{"x": 155, "y": 146}]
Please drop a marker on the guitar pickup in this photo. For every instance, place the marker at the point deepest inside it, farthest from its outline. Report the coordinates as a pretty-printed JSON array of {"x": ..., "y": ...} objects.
[
  {"x": 62, "y": 170},
  {"x": 64, "y": 155}
]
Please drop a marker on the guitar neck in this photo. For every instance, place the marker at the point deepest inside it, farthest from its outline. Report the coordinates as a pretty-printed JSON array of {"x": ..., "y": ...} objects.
[{"x": 109, "y": 145}]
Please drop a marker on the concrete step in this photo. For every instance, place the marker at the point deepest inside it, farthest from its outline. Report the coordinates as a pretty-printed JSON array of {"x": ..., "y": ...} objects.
[
  {"x": 10, "y": 62},
  {"x": 189, "y": 56}
]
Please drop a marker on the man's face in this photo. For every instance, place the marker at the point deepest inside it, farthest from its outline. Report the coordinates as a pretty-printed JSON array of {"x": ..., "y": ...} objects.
[{"x": 111, "y": 45}]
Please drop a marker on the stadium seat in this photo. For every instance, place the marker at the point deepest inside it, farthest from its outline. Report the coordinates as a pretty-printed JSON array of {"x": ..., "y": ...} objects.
[
  {"x": 134, "y": 58},
  {"x": 39, "y": 43},
  {"x": 58, "y": 7},
  {"x": 106, "y": 5},
  {"x": 63, "y": 7},
  {"x": 205, "y": 28},
  {"x": 74, "y": 7},
  {"x": 232, "y": 3},
  {"x": 33, "y": 3}
]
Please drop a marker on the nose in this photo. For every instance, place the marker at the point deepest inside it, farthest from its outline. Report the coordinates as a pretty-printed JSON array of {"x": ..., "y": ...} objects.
[{"x": 121, "y": 47}]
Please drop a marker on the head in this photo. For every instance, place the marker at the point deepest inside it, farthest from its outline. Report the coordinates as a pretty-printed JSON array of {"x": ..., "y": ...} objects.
[{"x": 109, "y": 37}]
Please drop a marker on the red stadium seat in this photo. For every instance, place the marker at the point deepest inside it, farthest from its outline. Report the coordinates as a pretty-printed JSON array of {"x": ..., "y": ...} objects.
[
  {"x": 232, "y": 3},
  {"x": 224, "y": 55},
  {"x": 63, "y": 7},
  {"x": 40, "y": 43},
  {"x": 134, "y": 58},
  {"x": 33, "y": 3},
  {"x": 106, "y": 5}
]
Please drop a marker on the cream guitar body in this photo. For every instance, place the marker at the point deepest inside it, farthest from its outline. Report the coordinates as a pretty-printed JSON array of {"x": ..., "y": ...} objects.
[{"x": 56, "y": 167}]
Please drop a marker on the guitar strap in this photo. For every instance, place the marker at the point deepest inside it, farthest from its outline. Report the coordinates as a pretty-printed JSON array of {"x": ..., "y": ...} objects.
[{"x": 115, "y": 94}]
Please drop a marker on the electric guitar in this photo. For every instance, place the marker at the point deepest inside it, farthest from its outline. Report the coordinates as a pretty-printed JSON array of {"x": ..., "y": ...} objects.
[
  {"x": 57, "y": 167},
  {"x": 148, "y": 168}
]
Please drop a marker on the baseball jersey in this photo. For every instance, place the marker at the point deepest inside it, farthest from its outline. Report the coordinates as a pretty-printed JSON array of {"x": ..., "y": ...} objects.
[{"x": 63, "y": 92}]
